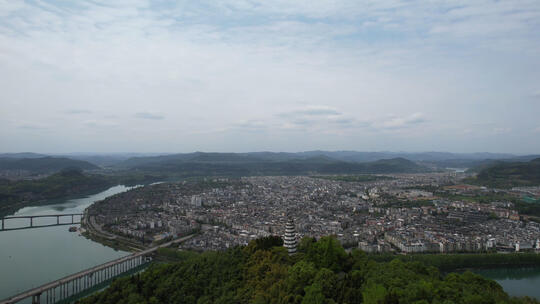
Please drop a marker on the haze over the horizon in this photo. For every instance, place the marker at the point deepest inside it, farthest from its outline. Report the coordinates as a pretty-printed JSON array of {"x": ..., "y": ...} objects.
[{"x": 241, "y": 75}]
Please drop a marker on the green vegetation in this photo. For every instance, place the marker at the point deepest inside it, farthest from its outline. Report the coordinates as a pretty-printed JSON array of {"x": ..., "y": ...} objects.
[
  {"x": 353, "y": 178},
  {"x": 450, "y": 262},
  {"x": 230, "y": 164},
  {"x": 321, "y": 272},
  {"x": 407, "y": 204},
  {"x": 523, "y": 207},
  {"x": 44, "y": 164},
  {"x": 16, "y": 194},
  {"x": 66, "y": 183},
  {"x": 527, "y": 208},
  {"x": 507, "y": 175}
]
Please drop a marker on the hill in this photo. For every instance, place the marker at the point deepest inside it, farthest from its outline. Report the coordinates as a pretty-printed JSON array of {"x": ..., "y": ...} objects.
[
  {"x": 103, "y": 159},
  {"x": 439, "y": 159},
  {"x": 17, "y": 194},
  {"x": 321, "y": 272},
  {"x": 248, "y": 164},
  {"x": 347, "y": 156},
  {"x": 22, "y": 155},
  {"x": 509, "y": 174},
  {"x": 44, "y": 164}
]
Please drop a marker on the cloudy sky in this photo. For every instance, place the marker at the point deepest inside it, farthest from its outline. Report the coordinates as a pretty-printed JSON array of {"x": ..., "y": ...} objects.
[{"x": 242, "y": 75}]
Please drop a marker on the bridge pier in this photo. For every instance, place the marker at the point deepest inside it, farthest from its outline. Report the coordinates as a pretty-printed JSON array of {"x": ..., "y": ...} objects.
[
  {"x": 80, "y": 282},
  {"x": 31, "y": 220},
  {"x": 36, "y": 299}
]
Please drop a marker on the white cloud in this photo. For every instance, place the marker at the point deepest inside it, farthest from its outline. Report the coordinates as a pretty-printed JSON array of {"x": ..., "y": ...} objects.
[
  {"x": 215, "y": 67},
  {"x": 148, "y": 115},
  {"x": 500, "y": 131},
  {"x": 400, "y": 122},
  {"x": 78, "y": 111}
]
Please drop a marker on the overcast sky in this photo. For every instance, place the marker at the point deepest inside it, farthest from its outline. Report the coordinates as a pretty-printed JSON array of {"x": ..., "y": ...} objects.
[{"x": 220, "y": 75}]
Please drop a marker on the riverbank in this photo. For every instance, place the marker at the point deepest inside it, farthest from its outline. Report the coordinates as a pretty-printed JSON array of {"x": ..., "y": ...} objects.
[
  {"x": 33, "y": 257},
  {"x": 519, "y": 282},
  {"x": 64, "y": 185},
  {"x": 116, "y": 242},
  {"x": 15, "y": 195}
]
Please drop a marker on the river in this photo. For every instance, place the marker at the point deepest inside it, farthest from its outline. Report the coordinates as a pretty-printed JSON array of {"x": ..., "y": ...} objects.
[
  {"x": 32, "y": 257},
  {"x": 516, "y": 281}
]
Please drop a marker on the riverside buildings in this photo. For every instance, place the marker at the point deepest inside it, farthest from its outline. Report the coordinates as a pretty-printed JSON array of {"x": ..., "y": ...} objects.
[{"x": 407, "y": 212}]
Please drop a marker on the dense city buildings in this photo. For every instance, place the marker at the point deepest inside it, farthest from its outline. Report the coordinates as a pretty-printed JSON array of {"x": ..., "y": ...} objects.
[{"x": 411, "y": 213}]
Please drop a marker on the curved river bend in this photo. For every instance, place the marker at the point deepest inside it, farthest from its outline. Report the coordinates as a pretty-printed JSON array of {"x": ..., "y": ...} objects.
[{"x": 32, "y": 257}]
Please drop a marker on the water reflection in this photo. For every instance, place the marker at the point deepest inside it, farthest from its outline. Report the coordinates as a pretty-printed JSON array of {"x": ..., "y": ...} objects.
[
  {"x": 516, "y": 281},
  {"x": 32, "y": 257}
]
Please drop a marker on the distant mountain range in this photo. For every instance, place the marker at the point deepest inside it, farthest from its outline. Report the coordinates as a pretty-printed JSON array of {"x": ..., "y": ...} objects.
[
  {"x": 349, "y": 156},
  {"x": 430, "y": 159},
  {"x": 199, "y": 163},
  {"x": 40, "y": 165},
  {"x": 264, "y": 163},
  {"x": 22, "y": 155}
]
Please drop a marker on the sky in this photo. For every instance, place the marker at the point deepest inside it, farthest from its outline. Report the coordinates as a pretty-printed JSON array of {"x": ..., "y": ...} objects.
[{"x": 242, "y": 75}]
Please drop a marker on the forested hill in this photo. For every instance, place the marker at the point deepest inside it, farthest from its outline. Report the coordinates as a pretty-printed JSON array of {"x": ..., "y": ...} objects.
[
  {"x": 321, "y": 272},
  {"x": 69, "y": 182},
  {"x": 506, "y": 175},
  {"x": 43, "y": 164},
  {"x": 237, "y": 164}
]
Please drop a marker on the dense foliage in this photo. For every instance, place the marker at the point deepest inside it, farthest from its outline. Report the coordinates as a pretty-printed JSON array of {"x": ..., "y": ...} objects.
[
  {"x": 16, "y": 194},
  {"x": 448, "y": 262},
  {"x": 506, "y": 175},
  {"x": 321, "y": 272},
  {"x": 523, "y": 207},
  {"x": 353, "y": 178},
  {"x": 66, "y": 183}
]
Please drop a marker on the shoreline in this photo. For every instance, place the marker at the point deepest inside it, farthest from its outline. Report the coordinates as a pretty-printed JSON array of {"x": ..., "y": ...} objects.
[{"x": 113, "y": 241}]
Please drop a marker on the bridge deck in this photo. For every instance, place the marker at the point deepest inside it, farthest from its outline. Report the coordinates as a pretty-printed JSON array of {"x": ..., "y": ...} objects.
[
  {"x": 43, "y": 215},
  {"x": 39, "y": 226},
  {"x": 50, "y": 285},
  {"x": 58, "y": 217}
]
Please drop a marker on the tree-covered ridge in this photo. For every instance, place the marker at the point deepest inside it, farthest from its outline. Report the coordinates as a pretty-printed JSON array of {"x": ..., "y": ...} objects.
[
  {"x": 506, "y": 175},
  {"x": 16, "y": 194},
  {"x": 321, "y": 272},
  {"x": 230, "y": 164},
  {"x": 44, "y": 164},
  {"x": 66, "y": 183}
]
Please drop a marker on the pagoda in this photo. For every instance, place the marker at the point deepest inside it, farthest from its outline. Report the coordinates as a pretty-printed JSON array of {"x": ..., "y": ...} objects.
[{"x": 289, "y": 239}]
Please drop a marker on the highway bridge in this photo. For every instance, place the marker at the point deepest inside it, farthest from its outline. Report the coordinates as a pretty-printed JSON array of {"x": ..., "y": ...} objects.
[
  {"x": 69, "y": 288},
  {"x": 72, "y": 218}
]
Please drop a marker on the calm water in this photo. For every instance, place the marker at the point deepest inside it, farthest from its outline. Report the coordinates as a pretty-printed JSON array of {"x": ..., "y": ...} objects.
[
  {"x": 32, "y": 257},
  {"x": 516, "y": 281},
  {"x": 29, "y": 258}
]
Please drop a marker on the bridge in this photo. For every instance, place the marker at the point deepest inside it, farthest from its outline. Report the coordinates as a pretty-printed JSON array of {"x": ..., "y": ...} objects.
[
  {"x": 69, "y": 288},
  {"x": 60, "y": 220}
]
